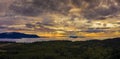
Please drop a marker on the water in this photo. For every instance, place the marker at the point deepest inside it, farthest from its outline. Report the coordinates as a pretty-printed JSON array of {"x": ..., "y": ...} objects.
[{"x": 31, "y": 40}]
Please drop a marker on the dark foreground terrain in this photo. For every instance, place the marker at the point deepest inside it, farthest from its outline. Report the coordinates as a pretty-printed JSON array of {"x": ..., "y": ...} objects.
[{"x": 94, "y": 49}]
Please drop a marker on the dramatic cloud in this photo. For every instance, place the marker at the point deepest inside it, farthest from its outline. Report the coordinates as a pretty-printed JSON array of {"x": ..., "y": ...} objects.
[
  {"x": 90, "y": 9},
  {"x": 60, "y": 15},
  {"x": 37, "y": 7},
  {"x": 4, "y": 6}
]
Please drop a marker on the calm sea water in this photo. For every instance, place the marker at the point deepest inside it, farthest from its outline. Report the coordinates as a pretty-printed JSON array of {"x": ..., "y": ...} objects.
[{"x": 31, "y": 40}]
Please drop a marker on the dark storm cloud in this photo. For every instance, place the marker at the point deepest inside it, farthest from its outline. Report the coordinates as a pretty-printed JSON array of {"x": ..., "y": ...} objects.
[
  {"x": 4, "y": 4},
  {"x": 1, "y": 27},
  {"x": 41, "y": 27},
  {"x": 100, "y": 13},
  {"x": 93, "y": 10},
  {"x": 36, "y": 7},
  {"x": 90, "y": 30},
  {"x": 2, "y": 9},
  {"x": 24, "y": 8},
  {"x": 100, "y": 9}
]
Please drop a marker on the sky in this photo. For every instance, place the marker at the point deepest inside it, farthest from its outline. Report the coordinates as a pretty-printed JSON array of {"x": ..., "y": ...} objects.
[{"x": 87, "y": 18}]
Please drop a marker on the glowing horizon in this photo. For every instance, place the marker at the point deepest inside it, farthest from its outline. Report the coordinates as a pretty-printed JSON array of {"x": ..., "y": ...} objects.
[{"x": 52, "y": 18}]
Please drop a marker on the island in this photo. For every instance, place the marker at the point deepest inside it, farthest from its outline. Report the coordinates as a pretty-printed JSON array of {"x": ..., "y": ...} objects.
[{"x": 17, "y": 35}]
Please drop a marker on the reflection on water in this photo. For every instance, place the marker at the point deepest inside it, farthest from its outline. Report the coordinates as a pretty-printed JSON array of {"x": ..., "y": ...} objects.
[{"x": 31, "y": 40}]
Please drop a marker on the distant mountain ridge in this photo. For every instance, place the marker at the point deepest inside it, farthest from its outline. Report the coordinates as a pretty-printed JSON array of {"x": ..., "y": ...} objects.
[{"x": 17, "y": 35}]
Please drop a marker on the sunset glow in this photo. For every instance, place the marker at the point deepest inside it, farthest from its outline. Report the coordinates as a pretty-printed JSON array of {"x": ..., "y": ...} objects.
[{"x": 60, "y": 18}]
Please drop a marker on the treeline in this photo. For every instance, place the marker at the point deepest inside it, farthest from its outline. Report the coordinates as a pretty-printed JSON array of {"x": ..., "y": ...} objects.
[{"x": 94, "y": 49}]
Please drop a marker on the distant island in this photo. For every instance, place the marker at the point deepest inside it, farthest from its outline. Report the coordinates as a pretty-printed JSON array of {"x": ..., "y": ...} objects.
[{"x": 16, "y": 35}]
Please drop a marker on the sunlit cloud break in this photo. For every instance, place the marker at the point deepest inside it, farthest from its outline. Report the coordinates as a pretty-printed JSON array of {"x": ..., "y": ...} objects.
[{"x": 88, "y": 18}]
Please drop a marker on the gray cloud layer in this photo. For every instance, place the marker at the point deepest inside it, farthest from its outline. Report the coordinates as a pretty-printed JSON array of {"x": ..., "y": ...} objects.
[{"x": 91, "y": 9}]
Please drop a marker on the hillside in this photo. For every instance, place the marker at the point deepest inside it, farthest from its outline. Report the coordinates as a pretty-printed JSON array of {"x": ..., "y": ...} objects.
[
  {"x": 16, "y": 35},
  {"x": 94, "y": 49}
]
